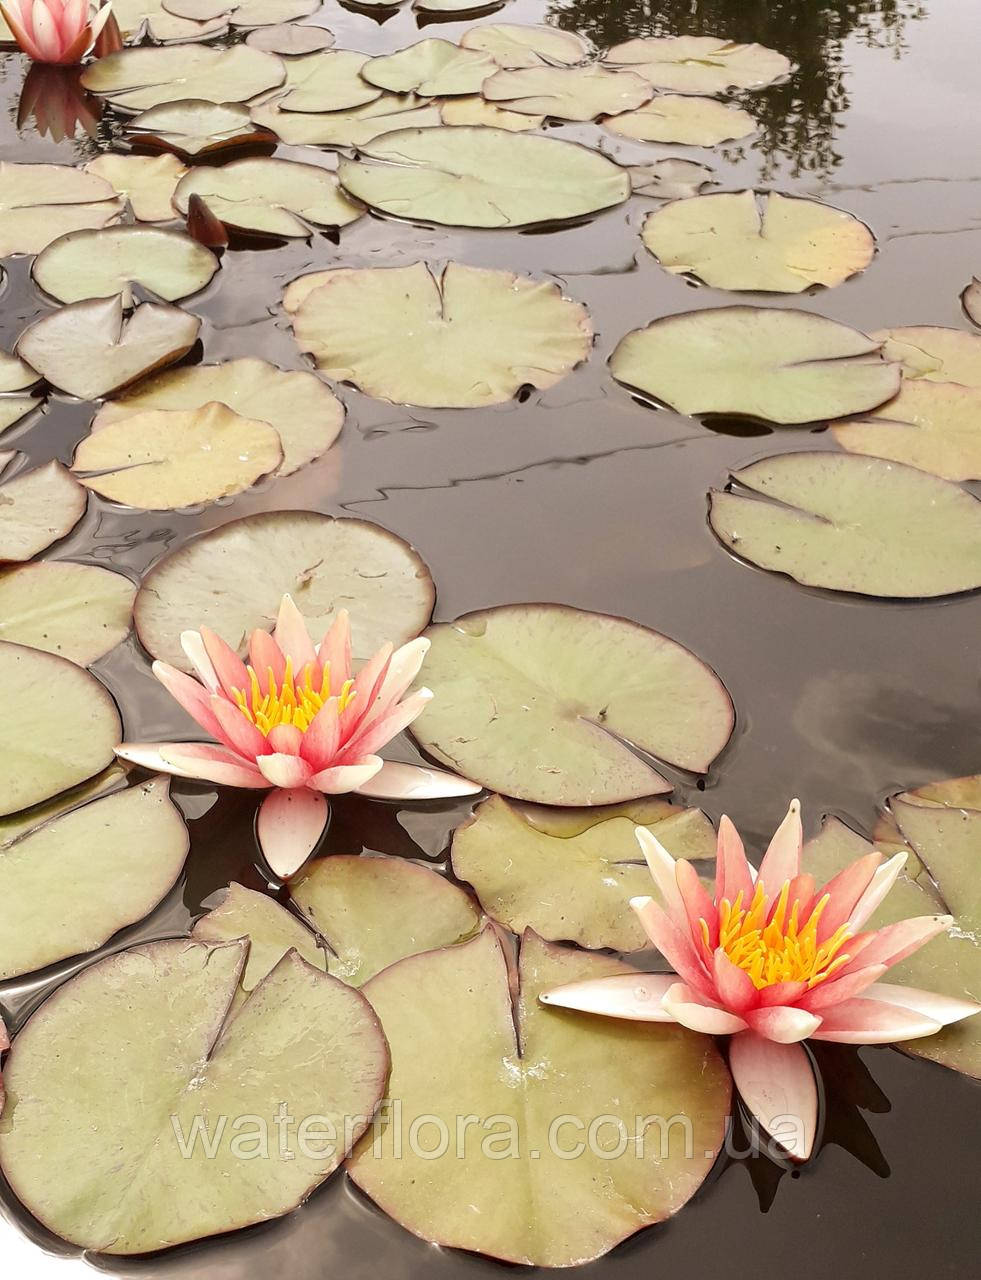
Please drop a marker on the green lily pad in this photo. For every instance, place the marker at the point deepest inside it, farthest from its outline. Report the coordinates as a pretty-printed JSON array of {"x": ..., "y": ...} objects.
[
  {"x": 248, "y": 13},
  {"x": 152, "y": 1024},
  {"x": 37, "y": 508},
  {"x": 327, "y": 81},
  {"x": 540, "y": 701},
  {"x": 16, "y": 401},
  {"x": 74, "y": 726},
  {"x": 73, "y": 882},
  {"x": 98, "y": 264},
  {"x": 194, "y": 128},
  {"x": 735, "y": 240},
  {"x": 760, "y": 362},
  {"x": 478, "y": 177},
  {"x": 232, "y": 579},
  {"x": 353, "y": 128},
  {"x": 471, "y": 109},
  {"x": 670, "y": 179},
  {"x": 935, "y": 426},
  {"x": 471, "y": 337},
  {"x": 137, "y": 18},
  {"x": 521, "y": 1073},
  {"x": 934, "y": 353},
  {"x": 40, "y": 202},
  {"x": 700, "y": 64},
  {"x": 512, "y": 45},
  {"x": 271, "y": 930},
  {"x": 529, "y": 873},
  {"x": 290, "y": 40},
  {"x": 568, "y": 93},
  {"x": 15, "y": 825},
  {"x": 77, "y": 611},
  {"x": 850, "y": 523},
  {"x": 136, "y": 79},
  {"x": 147, "y": 182},
  {"x": 695, "y": 122},
  {"x": 431, "y": 68}
]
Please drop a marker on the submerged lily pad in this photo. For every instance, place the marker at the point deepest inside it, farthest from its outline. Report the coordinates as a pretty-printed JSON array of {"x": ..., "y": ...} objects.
[
  {"x": 153, "y": 1023},
  {"x": 290, "y": 40},
  {"x": 850, "y": 523},
  {"x": 271, "y": 930},
  {"x": 762, "y": 362},
  {"x": 97, "y": 264},
  {"x": 193, "y": 127},
  {"x": 540, "y": 701},
  {"x": 71, "y": 883},
  {"x": 529, "y": 872},
  {"x": 696, "y": 122},
  {"x": 568, "y": 93},
  {"x": 700, "y": 64},
  {"x": 732, "y": 240},
  {"x": 233, "y": 578},
  {"x": 147, "y": 182},
  {"x": 136, "y": 79},
  {"x": 472, "y": 337},
  {"x": 521, "y": 1073},
  {"x": 670, "y": 179},
  {"x": 78, "y": 611},
  {"x": 274, "y": 197},
  {"x": 74, "y": 726},
  {"x": 935, "y": 426},
  {"x": 472, "y": 109},
  {"x": 432, "y": 68},
  {"x": 934, "y": 353},
  {"x": 40, "y": 202},
  {"x": 477, "y": 177},
  {"x": 353, "y": 128},
  {"x": 329, "y": 81},
  {"x": 512, "y": 45},
  {"x": 37, "y": 508}
]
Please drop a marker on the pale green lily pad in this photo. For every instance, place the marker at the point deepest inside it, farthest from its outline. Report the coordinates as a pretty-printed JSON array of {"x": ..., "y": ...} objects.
[
  {"x": 761, "y": 362},
  {"x": 700, "y": 64},
  {"x": 74, "y": 726},
  {"x": 694, "y": 122},
  {"x": 136, "y": 79},
  {"x": 193, "y": 127},
  {"x": 568, "y": 93},
  {"x": 472, "y": 337},
  {"x": 431, "y": 68},
  {"x": 971, "y": 301},
  {"x": 454, "y": 1006},
  {"x": 354, "y": 128},
  {"x": 147, "y": 182},
  {"x": 376, "y": 911},
  {"x": 540, "y": 701},
  {"x": 15, "y": 377},
  {"x": 15, "y": 408},
  {"x": 512, "y": 45},
  {"x": 478, "y": 177},
  {"x": 290, "y": 40},
  {"x": 151, "y": 1025},
  {"x": 233, "y": 578},
  {"x": 670, "y": 179},
  {"x": 40, "y": 202},
  {"x": 15, "y": 825},
  {"x": 247, "y": 13},
  {"x": 271, "y": 930},
  {"x": 36, "y": 508},
  {"x": 935, "y": 426},
  {"x": 70, "y": 884},
  {"x": 137, "y": 18},
  {"x": 78, "y": 611},
  {"x": 98, "y": 264},
  {"x": 934, "y": 353},
  {"x": 329, "y": 81},
  {"x": 529, "y": 874},
  {"x": 304, "y": 411},
  {"x": 850, "y": 523},
  {"x": 471, "y": 109}
]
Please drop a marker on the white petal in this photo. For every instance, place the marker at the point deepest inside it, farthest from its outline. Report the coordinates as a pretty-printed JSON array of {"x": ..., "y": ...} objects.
[
  {"x": 197, "y": 656},
  {"x": 883, "y": 880},
  {"x": 411, "y": 782}
]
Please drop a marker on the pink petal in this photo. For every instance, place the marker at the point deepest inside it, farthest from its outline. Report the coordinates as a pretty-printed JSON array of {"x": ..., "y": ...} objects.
[
  {"x": 45, "y": 30},
  {"x": 405, "y": 665},
  {"x": 882, "y": 881},
  {"x": 20, "y": 28},
  {"x": 675, "y": 946},
  {"x": 801, "y": 890},
  {"x": 289, "y": 827},
  {"x": 781, "y": 862},
  {"x": 265, "y": 656},
  {"x": 634, "y": 996},
  {"x": 292, "y": 637},
  {"x": 694, "y": 1012},
  {"x": 395, "y": 781},
  {"x": 235, "y": 730},
  {"x": 285, "y": 770},
  {"x": 735, "y": 988},
  {"x": 894, "y": 942},
  {"x": 783, "y": 1023},
  {"x": 335, "y": 651},
  {"x": 845, "y": 889},
  {"x": 339, "y": 779},
  {"x": 776, "y": 1082},
  {"x": 197, "y": 656},
  {"x": 193, "y": 697},
  {"x": 941, "y": 1008},
  {"x": 227, "y": 665},
  {"x": 732, "y": 873},
  {"x": 698, "y": 905},
  {"x": 285, "y": 738},
  {"x": 74, "y": 17},
  {"x": 322, "y": 738},
  {"x": 372, "y": 738},
  {"x": 663, "y": 870},
  {"x": 782, "y": 993},
  {"x": 193, "y": 760},
  {"x": 870, "y": 1021},
  {"x": 841, "y": 987},
  {"x": 367, "y": 683}
]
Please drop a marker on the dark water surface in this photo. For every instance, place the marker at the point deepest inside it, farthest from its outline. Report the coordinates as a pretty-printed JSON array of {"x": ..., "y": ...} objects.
[{"x": 585, "y": 496}]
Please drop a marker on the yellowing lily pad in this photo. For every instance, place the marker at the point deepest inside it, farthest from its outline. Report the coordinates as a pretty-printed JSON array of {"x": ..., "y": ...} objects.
[
  {"x": 472, "y": 337},
  {"x": 432, "y": 68},
  {"x": 137, "y": 18},
  {"x": 71, "y": 883},
  {"x": 290, "y": 40},
  {"x": 935, "y": 426},
  {"x": 36, "y": 508},
  {"x": 15, "y": 378},
  {"x": 194, "y": 127},
  {"x": 330, "y": 81},
  {"x": 568, "y": 93},
  {"x": 78, "y": 611},
  {"x": 98, "y": 264},
  {"x": 540, "y": 702},
  {"x": 670, "y": 179},
  {"x": 274, "y": 197},
  {"x": 18, "y": 824},
  {"x": 512, "y": 45},
  {"x": 700, "y": 64},
  {"x": 147, "y": 182},
  {"x": 233, "y": 578},
  {"x": 479, "y": 177},
  {"x": 40, "y": 202},
  {"x": 74, "y": 726},
  {"x": 850, "y": 523},
  {"x": 762, "y": 362},
  {"x": 696, "y": 122},
  {"x": 248, "y": 13},
  {"x": 271, "y": 930},
  {"x": 934, "y": 353},
  {"x": 353, "y": 128},
  {"x": 487, "y": 1192},
  {"x": 472, "y": 109},
  {"x": 136, "y": 79}
]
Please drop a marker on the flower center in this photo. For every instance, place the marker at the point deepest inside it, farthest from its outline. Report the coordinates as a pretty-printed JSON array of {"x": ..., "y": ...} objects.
[
  {"x": 294, "y": 700},
  {"x": 777, "y": 946}
]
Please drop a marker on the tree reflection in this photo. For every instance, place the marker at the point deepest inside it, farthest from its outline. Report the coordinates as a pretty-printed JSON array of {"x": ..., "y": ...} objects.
[{"x": 798, "y": 120}]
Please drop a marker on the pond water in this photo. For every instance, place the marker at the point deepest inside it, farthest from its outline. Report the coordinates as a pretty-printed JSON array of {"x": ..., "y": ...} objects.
[{"x": 586, "y": 496}]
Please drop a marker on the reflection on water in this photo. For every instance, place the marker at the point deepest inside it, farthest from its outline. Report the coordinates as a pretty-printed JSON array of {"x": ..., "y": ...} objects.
[{"x": 798, "y": 120}]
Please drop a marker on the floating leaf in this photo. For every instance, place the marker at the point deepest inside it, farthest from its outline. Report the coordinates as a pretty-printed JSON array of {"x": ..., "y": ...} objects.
[
  {"x": 78, "y": 611},
  {"x": 762, "y": 362},
  {"x": 330, "y": 81},
  {"x": 472, "y": 337},
  {"x": 97, "y": 264},
  {"x": 147, "y": 182},
  {"x": 304, "y": 411},
  {"x": 289, "y": 40},
  {"x": 669, "y": 179},
  {"x": 935, "y": 426},
  {"x": 74, "y": 726},
  {"x": 37, "y": 508},
  {"x": 781, "y": 244},
  {"x": 971, "y": 301},
  {"x": 72, "y": 883},
  {"x": 934, "y": 353},
  {"x": 164, "y": 459},
  {"x": 512, "y": 45},
  {"x": 696, "y": 122},
  {"x": 521, "y": 1073},
  {"x": 136, "y": 79},
  {"x": 472, "y": 109},
  {"x": 850, "y": 523},
  {"x": 274, "y": 197},
  {"x": 88, "y": 349},
  {"x": 354, "y": 128},
  {"x": 529, "y": 873},
  {"x": 568, "y": 93},
  {"x": 194, "y": 127},
  {"x": 432, "y": 68},
  {"x": 375, "y": 911},
  {"x": 700, "y": 64},
  {"x": 272, "y": 931},
  {"x": 18, "y": 824},
  {"x": 248, "y": 13},
  {"x": 153, "y": 1023},
  {"x": 539, "y": 701},
  {"x": 15, "y": 376},
  {"x": 40, "y": 202},
  {"x": 457, "y": 6},
  {"x": 233, "y": 578},
  {"x": 137, "y": 18}
]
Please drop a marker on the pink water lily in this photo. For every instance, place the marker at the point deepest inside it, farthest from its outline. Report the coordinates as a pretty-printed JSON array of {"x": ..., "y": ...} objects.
[
  {"x": 771, "y": 960},
  {"x": 298, "y": 720},
  {"x": 55, "y": 31}
]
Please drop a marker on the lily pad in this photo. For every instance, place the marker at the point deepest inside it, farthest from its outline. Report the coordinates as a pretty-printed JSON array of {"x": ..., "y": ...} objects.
[
  {"x": 779, "y": 244},
  {"x": 40, "y": 202},
  {"x": 761, "y": 362},
  {"x": 304, "y": 411},
  {"x": 700, "y": 64},
  {"x": 74, "y": 726},
  {"x": 147, "y": 182},
  {"x": 19, "y": 824},
  {"x": 161, "y": 459},
  {"x": 329, "y": 81},
  {"x": 152, "y": 1023},
  {"x": 290, "y": 40},
  {"x": 376, "y": 911},
  {"x": 530, "y": 874},
  {"x": 568, "y": 93},
  {"x": 137, "y": 18},
  {"x": 73, "y": 882},
  {"x": 136, "y": 79},
  {"x": 934, "y": 353},
  {"x": 935, "y": 426},
  {"x": 472, "y": 337},
  {"x": 16, "y": 378},
  {"x": 89, "y": 349},
  {"x": 274, "y": 197},
  {"x": 695, "y": 122},
  {"x": 37, "y": 508},
  {"x": 472, "y": 109},
  {"x": 540, "y": 702},
  {"x": 432, "y": 68},
  {"x": 271, "y": 930},
  {"x": 78, "y": 611},
  {"x": 242, "y": 13},
  {"x": 354, "y": 128},
  {"x": 850, "y": 523},
  {"x": 478, "y": 177},
  {"x": 512, "y": 45},
  {"x": 98, "y": 264},
  {"x": 971, "y": 301},
  {"x": 670, "y": 179},
  {"x": 232, "y": 579},
  {"x": 193, "y": 127},
  {"x": 522, "y": 1072}
]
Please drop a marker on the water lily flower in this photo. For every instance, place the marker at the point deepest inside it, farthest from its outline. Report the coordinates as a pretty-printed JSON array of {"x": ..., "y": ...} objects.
[
  {"x": 771, "y": 960},
  {"x": 55, "y": 31},
  {"x": 298, "y": 720}
]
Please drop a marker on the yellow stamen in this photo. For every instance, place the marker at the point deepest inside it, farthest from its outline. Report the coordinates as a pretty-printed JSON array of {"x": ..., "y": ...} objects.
[{"x": 294, "y": 700}]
